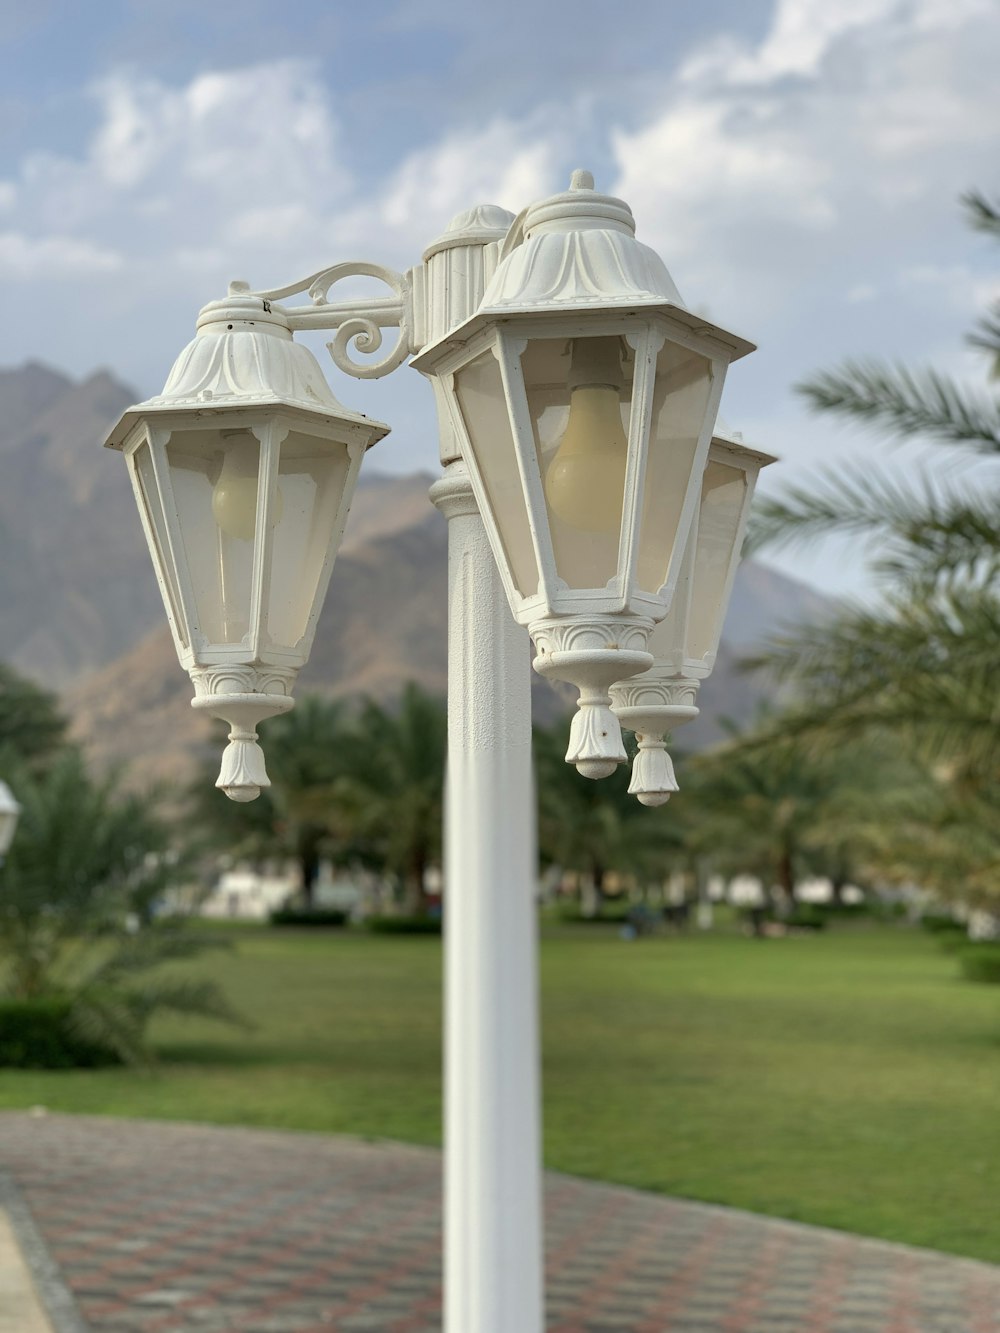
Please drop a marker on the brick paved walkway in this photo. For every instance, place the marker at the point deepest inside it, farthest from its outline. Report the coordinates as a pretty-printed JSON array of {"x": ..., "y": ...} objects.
[{"x": 161, "y": 1227}]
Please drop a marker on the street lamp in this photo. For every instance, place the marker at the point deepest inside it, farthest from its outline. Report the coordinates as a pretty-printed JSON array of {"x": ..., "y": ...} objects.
[
  {"x": 576, "y": 398},
  {"x": 684, "y": 644},
  {"x": 10, "y": 812}
]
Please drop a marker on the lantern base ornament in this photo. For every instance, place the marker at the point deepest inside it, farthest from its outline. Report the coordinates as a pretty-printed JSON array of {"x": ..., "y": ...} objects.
[
  {"x": 266, "y": 692},
  {"x": 592, "y": 655},
  {"x": 243, "y": 773},
  {"x": 652, "y": 705}
]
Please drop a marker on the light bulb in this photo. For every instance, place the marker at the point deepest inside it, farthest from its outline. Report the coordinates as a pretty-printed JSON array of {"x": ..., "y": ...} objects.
[
  {"x": 585, "y": 482},
  {"x": 234, "y": 499}
]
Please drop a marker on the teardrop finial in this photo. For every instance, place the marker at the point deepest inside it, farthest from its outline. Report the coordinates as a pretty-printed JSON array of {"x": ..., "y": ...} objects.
[
  {"x": 653, "y": 778},
  {"x": 581, "y": 180},
  {"x": 243, "y": 773},
  {"x": 595, "y": 737}
]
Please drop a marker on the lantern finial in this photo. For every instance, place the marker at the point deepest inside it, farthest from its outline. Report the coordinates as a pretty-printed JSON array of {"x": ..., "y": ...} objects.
[
  {"x": 243, "y": 773},
  {"x": 653, "y": 777}
]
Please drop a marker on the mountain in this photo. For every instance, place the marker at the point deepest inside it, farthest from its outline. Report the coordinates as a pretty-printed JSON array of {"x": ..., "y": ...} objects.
[
  {"x": 76, "y": 587},
  {"x": 80, "y": 610}
]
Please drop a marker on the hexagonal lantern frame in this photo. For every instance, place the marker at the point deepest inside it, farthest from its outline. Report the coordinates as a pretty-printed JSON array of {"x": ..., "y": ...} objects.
[
  {"x": 573, "y": 271},
  {"x": 685, "y": 643},
  {"x": 244, "y": 384}
]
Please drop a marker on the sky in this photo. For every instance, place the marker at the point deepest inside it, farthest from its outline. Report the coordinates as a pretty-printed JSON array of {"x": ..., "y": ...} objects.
[{"x": 797, "y": 163}]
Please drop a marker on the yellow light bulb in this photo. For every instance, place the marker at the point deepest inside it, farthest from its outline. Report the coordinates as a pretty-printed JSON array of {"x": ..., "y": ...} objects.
[
  {"x": 234, "y": 499},
  {"x": 585, "y": 482}
]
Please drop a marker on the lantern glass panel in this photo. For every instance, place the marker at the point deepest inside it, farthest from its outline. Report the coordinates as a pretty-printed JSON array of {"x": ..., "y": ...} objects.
[
  {"x": 214, "y": 477},
  {"x": 669, "y": 636},
  {"x": 680, "y": 403},
  {"x": 481, "y": 400},
  {"x": 312, "y": 475},
  {"x": 149, "y": 499},
  {"x": 723, "y": 497},
  {"x": 579, "y": 394}
]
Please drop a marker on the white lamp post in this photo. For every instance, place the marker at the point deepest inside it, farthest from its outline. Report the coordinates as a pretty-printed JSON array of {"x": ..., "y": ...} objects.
[
  {"x": 10, "y": 812},
  {"x": 685, "y": 642},
  {"x": 576, "y": 397}
]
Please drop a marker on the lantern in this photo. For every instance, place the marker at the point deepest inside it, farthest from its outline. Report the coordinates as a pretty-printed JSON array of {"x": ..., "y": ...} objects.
[
  {"x": 10, "y": 812},
  {"x": 684, "y": 644},
  {"x": 243, "y": 471},
  {"x": 584, "y": 393}
]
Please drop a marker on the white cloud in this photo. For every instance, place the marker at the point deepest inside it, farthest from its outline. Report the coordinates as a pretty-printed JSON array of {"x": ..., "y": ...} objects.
[
  {"x": 800, "y": 35},
  {"x": 267, "y": 128},
  {"x": 861, "y": 292},
  {"x": 839, "y": 140},
  {"x": 504, "y": 162},
  {"x": 29, "y": 258}
]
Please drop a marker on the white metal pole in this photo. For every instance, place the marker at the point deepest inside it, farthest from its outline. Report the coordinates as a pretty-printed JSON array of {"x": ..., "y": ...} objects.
[{"x": 493, "y": 1188}]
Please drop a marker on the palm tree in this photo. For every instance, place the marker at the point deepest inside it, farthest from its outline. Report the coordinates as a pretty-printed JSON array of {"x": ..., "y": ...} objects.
[
  {"x": 920, "y": 668},
  {"x": 88, "y": 858},
  {"x": 595, "y": 828},
  {"x": 307, "y": 759},
  {"x": 783, "y": 807},
  {"x": 303, "y": 814},
  {"x": 394, "y": 787},
  {"x": 32, "y": 726}
]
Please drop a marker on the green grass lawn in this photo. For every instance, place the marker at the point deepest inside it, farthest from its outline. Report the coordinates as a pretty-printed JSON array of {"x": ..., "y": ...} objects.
[{"x": 849, "y": 1079}]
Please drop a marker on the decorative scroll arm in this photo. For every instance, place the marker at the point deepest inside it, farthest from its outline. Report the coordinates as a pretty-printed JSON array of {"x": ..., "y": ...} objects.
[{"x": 359, "y": 322}]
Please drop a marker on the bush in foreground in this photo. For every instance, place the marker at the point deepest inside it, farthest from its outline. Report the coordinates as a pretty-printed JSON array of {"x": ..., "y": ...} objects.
[
  {"x": 981, "y": 962},
  {"x": 404, "y": 925},
  {"x": 41, "y": 1034},
  {"x": 297, "y": 916}
]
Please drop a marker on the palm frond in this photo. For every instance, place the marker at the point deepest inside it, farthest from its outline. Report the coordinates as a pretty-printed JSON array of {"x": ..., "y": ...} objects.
[
  {"x": 922, "y": 669},
  {"x": 986, "y": 338},
  {"x": 907, "y": 403},
  {"x": 147, "y": 949},
  {"x": 919, "y": 534},
  {"x": 981, "y": 214}
]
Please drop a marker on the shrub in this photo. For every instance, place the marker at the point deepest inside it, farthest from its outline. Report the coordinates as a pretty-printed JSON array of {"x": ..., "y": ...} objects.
[
  {"x": 298, "y": 916},
  {"x": 940, "y": 923},
  {"x": 404, "y": 925},
  {"x": 858, "y": 911},
  {"x": 981, "y": 962},
  {"x": 41, "y": 1034},
  {"x": 806, "y": 916}
]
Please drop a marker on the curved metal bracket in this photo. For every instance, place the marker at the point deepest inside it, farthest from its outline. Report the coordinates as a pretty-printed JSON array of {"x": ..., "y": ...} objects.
[{"x": 359, "y": 322}]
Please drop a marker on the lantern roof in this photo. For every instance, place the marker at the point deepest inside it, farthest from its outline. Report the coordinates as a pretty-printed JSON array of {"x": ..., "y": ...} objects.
[
  {"x": 572, "y": 253},
  {"x": 244, "y": 356},
  {"x": 732, "y": 441}
]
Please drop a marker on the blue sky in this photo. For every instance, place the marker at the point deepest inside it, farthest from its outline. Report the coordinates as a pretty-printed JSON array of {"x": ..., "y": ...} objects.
[{"x": 796, "y": 162}]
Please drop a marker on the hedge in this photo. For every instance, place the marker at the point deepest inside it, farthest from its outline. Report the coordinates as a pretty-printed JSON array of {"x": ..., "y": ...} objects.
[
  {"x": 404, "y": 925},
  {"x": 981, "y": 962},
  {"x": 39, "y": 1034},
  {"x": 300, "y": 916}
]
